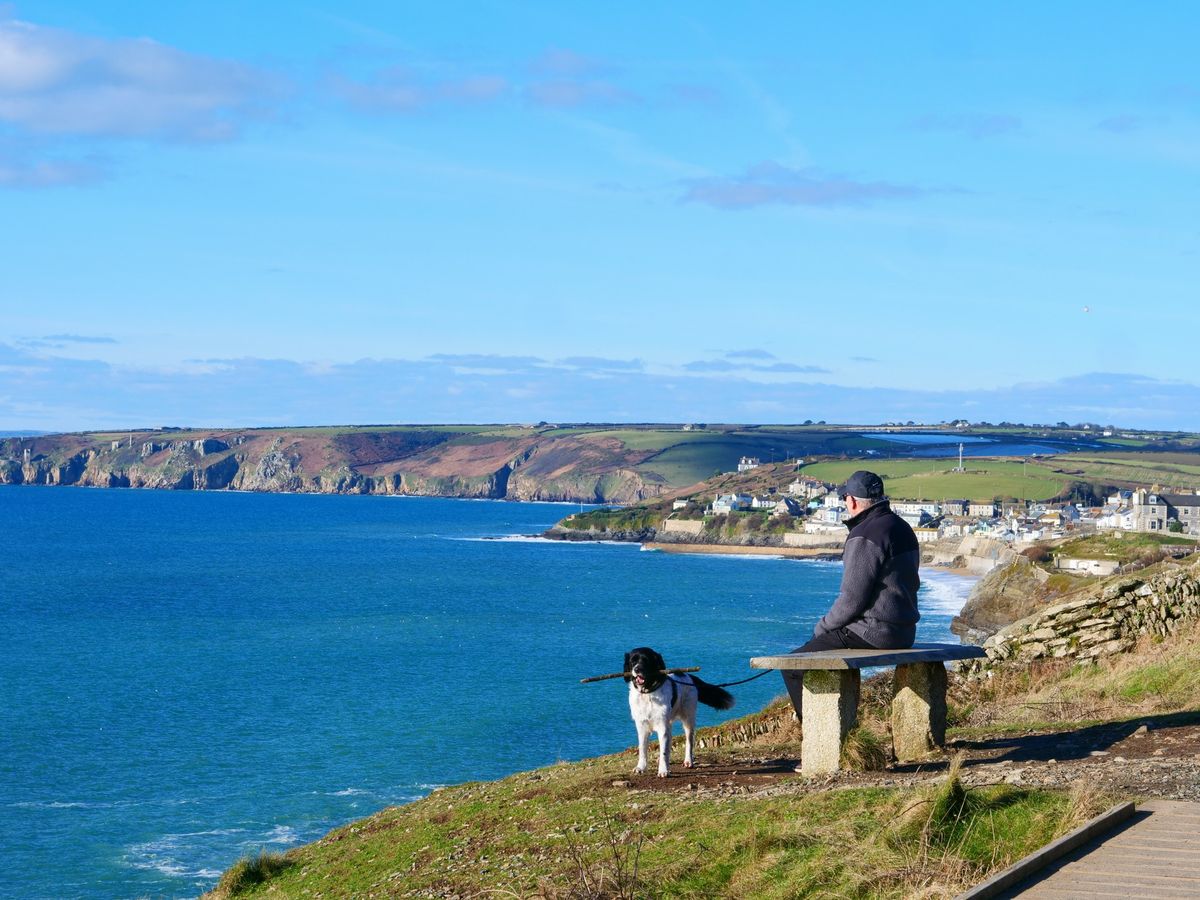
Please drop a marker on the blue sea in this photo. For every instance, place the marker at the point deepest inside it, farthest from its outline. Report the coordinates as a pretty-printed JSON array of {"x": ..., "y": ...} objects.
[{"x": 189, "y": 677}]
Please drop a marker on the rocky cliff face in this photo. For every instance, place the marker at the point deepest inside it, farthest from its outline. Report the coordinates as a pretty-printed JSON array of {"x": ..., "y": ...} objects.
[
  {"x": 440, "y": 463},
  {"x": 1108, "y": 619}
]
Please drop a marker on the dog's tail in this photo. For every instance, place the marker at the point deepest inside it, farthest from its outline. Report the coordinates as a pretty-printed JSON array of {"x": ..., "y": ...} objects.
[{"x": 711, "y": 695}]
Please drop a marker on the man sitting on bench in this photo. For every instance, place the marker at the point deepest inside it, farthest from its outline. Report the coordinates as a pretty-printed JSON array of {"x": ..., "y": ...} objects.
[{"x": 876, "y": 607}]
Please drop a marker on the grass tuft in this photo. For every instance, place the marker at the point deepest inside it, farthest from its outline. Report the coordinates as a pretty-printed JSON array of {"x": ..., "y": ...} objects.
[
  {"x": 864, "y": 751},
  {"x": 249, "y": 872}
]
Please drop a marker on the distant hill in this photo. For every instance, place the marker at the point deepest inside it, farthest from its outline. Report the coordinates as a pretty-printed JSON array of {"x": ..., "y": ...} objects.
[{"x": 584, "y": 463}]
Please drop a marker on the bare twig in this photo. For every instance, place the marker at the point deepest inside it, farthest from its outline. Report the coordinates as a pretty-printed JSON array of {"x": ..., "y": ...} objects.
[{"x": 623, "y": 674}]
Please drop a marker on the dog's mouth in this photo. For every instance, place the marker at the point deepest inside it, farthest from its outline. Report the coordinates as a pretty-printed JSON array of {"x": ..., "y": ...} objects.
[{"x": 639, "y": 679}]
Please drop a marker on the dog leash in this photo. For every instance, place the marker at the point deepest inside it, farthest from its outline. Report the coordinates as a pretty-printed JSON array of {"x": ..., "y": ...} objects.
[
  {"x": 733, "y": 683},
  {"x": 744, "y": 680}
]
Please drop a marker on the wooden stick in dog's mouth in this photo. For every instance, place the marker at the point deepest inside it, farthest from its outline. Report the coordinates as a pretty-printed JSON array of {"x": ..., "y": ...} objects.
[{"x": 623, "y": 674}]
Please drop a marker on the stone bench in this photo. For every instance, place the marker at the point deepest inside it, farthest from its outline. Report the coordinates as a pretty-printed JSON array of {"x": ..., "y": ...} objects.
[{"x": 830, "y": 698}]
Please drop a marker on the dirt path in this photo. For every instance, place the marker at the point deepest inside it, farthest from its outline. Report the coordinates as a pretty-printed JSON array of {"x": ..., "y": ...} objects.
[{"x": 1154, "y": 756}]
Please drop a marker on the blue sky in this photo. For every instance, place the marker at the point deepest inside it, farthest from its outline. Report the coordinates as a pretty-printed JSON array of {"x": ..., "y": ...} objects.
[{"x": 233, "y": 214}]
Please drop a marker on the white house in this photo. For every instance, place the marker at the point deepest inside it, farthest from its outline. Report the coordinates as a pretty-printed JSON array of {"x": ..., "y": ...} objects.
[{"x": 746, "y": 463}]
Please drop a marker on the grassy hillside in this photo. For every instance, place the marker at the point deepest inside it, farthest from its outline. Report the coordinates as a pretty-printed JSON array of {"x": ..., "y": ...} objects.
[
  {"x": 584, "y": 829},
  {"x": 742, "y": 824},
  {"x": 1169, "y": 470}
]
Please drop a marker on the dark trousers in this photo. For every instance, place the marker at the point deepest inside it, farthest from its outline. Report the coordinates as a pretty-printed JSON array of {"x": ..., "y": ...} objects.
[{"x": 841, "y": 639}]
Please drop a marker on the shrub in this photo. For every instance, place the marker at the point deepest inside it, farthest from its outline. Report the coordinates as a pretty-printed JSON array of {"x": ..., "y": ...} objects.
[{"x": 1038, "y": 553}]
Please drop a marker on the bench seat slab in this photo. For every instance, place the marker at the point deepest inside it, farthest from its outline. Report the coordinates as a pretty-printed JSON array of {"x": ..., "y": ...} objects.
[{"x": 865, "y": 659}]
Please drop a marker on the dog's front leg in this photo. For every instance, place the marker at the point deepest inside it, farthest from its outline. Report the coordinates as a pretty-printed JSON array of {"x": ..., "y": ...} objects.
[
  {"x": 664, "y": 748},
  {"x": 643, "y": 730},
  {"x": 689, "y": 744}
]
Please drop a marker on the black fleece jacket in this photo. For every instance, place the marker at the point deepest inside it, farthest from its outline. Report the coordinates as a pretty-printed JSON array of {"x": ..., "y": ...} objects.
[{"x": 878, "y": 597}]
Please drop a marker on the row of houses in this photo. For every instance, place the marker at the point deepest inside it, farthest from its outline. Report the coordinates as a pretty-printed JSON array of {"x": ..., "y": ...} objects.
[
  {"x": 1140, "y": 510},
  {"x": 724, "y": 504}
]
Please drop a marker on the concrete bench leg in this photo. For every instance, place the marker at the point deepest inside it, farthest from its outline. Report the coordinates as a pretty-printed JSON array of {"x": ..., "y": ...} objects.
[
  {"x": 830, "y": 710},
  {"x": 918, "y": 710}
]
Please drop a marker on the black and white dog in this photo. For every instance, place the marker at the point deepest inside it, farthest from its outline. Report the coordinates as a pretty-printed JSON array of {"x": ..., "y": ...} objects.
[{"x": 657, "y": 699}]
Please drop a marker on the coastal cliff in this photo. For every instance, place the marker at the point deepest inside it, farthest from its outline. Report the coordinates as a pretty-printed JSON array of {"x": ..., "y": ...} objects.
[{"x": 436, "y": 463}]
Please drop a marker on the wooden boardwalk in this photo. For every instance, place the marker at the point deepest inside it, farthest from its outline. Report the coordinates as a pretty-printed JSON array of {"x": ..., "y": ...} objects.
[{"x": 1155, "y": 854}]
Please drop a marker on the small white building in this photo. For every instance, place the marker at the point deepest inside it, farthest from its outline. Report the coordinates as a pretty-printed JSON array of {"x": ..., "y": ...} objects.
[
  {"x": 1086, "y": 566},
  {"x": 915, "y": 507},
  {"x": 982, "y": 510},
  {"x": 727, "y": 503},
  {"x": 746, "y": 463}
]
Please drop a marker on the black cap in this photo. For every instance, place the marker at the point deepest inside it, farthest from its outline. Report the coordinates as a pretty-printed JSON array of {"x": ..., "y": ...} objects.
[{"x": 866, "y": 485}]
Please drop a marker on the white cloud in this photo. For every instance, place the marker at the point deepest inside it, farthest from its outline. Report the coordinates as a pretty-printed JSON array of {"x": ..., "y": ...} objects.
[{"x": 60, "y": 83}]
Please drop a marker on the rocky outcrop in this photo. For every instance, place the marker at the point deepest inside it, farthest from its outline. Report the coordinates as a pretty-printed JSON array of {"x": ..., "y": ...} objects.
[
  {"x": 1002, "y": 596},
  {"x": 639, "y": 535},
  {"x": 621, "y": 486},
  {"x": 1108, "y": 619}
]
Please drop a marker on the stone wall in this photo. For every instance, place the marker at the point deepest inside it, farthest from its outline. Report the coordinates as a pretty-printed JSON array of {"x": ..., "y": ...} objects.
[
  {"x": 1109, "y": 620},
  {"x": 799, "y": 539},
  {"x": 976, "y": 553},
  {"x": 683, "y": 526}
]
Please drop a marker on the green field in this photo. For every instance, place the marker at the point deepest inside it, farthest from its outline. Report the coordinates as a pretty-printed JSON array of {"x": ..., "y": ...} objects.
[
  {"x": 1180, "y": 470},
  {"x": 931, "y": 479}
]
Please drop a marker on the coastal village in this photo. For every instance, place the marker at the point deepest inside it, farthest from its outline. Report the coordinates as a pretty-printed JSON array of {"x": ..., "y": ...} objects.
[{"x": 821, "y": 513}]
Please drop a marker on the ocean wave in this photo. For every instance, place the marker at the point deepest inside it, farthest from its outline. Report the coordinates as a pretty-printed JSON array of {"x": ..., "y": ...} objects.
[
  {"x": 280, "y": 834},
  {"x": 181, "y": 855},
  {"x": 709, "y": 554},
  {"x": 507, "y": 538},
  {"x": 945, "y": 593},
  {"x": 538, "y": 539},
  {"x": 99, "y": 804}
]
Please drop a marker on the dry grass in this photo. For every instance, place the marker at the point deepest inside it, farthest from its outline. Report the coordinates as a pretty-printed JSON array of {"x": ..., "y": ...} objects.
[{"x": 1156, "y": 677}]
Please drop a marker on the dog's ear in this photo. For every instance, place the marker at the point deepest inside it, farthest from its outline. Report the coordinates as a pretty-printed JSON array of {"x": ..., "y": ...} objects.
[
  {"x": 659, "y": 662},
  {"x": 628, "y": 675}
]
